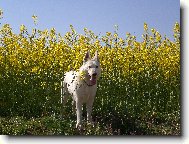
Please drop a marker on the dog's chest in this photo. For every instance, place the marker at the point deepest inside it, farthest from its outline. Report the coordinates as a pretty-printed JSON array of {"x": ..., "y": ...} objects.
[
  {"x": 85, "y": 92},
  {"x": 78, "y": 88}
]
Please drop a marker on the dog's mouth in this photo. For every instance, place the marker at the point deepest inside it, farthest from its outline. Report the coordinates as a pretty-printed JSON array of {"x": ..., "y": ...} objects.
[{"x": 92, "y": 79}]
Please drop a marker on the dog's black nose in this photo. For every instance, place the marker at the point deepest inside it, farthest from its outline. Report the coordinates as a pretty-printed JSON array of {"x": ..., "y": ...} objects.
[{"x": 94, "y": 74}]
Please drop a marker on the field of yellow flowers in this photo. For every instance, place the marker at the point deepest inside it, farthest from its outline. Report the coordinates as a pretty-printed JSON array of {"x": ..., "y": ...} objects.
[{"x": 138, "y": 94}]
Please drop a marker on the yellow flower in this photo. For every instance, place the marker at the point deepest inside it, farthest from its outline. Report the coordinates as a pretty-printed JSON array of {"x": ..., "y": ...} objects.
[
  {"x": 81, "y": 74},
  {"x": 145, "y": 27},
  {"x": 1, "y": 13},
  {"x": 22, "y": 28},
  {"x": 35, "y": 19},
  {"x": 108, "y": 33},
  {"x": 115, "y": 35},
  {"x": 35, "y": 69},
  {"x": 153, "y": 31}
]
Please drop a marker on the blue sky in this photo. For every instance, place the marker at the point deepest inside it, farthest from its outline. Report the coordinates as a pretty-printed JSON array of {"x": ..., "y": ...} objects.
[{"x": 100, "y": 16}]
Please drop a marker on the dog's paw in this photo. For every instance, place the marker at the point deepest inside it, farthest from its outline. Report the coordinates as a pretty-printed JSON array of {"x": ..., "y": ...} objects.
[{"x": 79, "y": 126}]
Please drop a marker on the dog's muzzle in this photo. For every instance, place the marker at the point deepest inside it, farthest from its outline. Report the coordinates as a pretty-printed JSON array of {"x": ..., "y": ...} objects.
[{"x": 93, "y": 79}]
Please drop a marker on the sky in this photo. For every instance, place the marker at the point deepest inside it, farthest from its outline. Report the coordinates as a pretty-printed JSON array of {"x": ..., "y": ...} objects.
[{"x": 100, "y": 16}]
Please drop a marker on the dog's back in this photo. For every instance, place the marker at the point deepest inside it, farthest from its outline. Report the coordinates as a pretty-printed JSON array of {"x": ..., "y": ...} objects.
[{"x": 70, "y": 78}]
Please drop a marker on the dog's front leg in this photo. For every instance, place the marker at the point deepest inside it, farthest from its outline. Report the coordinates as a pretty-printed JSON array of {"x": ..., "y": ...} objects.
[
  {"x": 89, "y": 106},
  {"x": 79, "y": 113}
]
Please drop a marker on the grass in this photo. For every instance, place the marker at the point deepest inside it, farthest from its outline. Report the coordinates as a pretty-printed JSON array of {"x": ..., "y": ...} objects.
[
  {"x": 124, "y": 108},
  {"x": 113, "y": 124}
]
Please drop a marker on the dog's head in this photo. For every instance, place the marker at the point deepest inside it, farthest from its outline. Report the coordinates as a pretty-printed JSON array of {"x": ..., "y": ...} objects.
[{"x": 91, "y": 68}]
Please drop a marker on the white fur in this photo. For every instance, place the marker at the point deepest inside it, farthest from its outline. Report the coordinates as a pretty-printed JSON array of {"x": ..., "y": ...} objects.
[{"x": 82, "y": 86}]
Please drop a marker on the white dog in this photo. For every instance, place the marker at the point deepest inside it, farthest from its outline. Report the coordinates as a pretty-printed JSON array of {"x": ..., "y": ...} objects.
[{"x": 82, "y": 86}]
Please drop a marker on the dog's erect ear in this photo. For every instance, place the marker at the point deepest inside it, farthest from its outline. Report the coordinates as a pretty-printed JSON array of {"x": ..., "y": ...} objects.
[
  {"x": 96, "y": 56},
  {"x": 87, "y": 56}
]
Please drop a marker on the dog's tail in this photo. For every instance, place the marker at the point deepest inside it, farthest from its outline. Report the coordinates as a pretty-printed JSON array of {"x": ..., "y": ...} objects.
[
  {"x": 61, "y": 96},
  {"x": 62, "y": 90}
]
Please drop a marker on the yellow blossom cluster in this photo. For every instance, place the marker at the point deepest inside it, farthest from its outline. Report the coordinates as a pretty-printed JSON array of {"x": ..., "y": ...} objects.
[
  {"x": 43, "y": 51},
  {"x": 142, "y": 74}
]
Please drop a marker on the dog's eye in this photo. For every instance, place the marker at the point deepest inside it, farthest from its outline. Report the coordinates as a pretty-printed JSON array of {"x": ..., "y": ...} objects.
[
  {"x": 96, "y": 66},
  {"x": 89, "y": 66}
]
